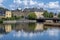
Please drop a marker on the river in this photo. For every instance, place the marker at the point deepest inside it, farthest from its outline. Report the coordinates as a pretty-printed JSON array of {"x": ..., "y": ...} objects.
[{"x": 29, "y": 31}]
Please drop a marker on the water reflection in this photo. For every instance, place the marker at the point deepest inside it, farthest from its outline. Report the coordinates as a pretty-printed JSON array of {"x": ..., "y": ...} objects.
[
  {"x": 27, "y": 27},
  {"x": 39, "y": 26},
  {"x": 28, "y": 31},
  {"x": 22, "y": 35},
  {"x": 8, "y": 28}
]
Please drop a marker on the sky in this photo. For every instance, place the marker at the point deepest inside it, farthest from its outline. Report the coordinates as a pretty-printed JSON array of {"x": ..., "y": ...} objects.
[{"x": 51, "y": 5}]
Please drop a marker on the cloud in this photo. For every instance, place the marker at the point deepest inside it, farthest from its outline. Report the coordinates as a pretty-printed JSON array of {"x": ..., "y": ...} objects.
[
  {"x": 53, "y": 4},
  {"x": 25, "y": 2},
  {"x": 1, "y": 1},
  {"x": 13, "y": 6},
  {"x": 41, "y": 4},
  {"x": 17, "y": 1},
  {"x": 35, "y": 3},
  {"x": 1, "y": 5},
  {"x": 19, "y": 8},
  {"x": 32, "y": 2}
]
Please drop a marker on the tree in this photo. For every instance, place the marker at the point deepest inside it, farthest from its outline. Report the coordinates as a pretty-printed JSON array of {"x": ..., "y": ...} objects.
[
  {"x": 4, "y": 9},
  {"x": 46, "y": 14},
  {"x": 32, "y": 15},
  {"x": 59, "y": 15},
  {"x": 51, "y": 15}
]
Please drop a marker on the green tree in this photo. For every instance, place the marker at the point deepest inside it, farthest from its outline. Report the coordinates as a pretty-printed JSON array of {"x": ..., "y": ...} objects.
[
  {"x": 51, "y": 15},
  {"x": 46, "y": 14},
  {"x": 1, "y": 21},
  {"x": 4, "y": 9},
  {"x": 59, "y": 15},
  {"x": 32, "y": 16}
]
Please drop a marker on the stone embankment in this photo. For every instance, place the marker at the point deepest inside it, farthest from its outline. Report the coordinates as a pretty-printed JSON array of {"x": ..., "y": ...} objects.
[{"x": 19, "y": 21}]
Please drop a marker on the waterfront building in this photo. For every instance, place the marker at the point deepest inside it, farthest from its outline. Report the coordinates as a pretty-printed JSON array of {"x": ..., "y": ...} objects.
[
  {"x": 55, "y": 15},
  {"x": 8, "y": 14},
  {"x": 25, "y": 12},
  {"x": 39, "y": 13},
  {"x": 17, "y": 13}
]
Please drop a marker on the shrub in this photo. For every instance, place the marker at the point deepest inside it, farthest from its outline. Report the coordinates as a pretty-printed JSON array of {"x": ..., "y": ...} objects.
[
  {"x": 32, "y": 16},
  {"x": 59, "y": 15},
  {"x": 1, "y": 21}
]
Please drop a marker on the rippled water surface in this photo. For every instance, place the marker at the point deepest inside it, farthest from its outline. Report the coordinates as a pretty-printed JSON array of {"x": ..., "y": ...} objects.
[{"x": 29, "y": 31}]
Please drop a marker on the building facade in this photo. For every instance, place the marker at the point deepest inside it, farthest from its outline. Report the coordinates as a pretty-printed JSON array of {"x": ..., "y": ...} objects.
[
  {"x": 8, "y": 14},
  {"x": 39, "y": 14},
  {"x": 17, "y": 13}
]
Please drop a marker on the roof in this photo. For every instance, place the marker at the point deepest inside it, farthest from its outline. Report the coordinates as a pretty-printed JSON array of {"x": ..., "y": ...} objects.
[{"x": 34, "y": 9}]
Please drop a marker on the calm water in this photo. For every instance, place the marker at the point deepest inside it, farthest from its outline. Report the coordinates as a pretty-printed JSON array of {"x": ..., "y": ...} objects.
[{"x": 29, "y": 31}]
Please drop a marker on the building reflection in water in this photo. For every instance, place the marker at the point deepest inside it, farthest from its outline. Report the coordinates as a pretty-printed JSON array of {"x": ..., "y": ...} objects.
[
  {"x": 27, "y": 27},
  {"x": 39, "y": 26},
  {"x": 8, "y": 28}
]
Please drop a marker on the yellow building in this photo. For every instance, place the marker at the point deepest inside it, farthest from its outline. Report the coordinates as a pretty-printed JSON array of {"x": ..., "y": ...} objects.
[
  {"x": 8, "y": 14},
  {"x": 39, "y": 14}
]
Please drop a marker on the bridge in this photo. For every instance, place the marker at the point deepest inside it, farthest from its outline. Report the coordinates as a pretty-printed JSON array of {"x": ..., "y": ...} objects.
[{"x": 44, "y": 19}]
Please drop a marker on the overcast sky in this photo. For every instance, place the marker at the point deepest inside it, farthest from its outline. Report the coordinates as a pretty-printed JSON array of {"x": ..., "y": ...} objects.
[{"x": 51, "y": 5}]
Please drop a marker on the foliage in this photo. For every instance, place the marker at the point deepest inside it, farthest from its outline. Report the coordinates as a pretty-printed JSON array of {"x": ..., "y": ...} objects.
[
  {"x": 1, "y": 21},
  {"x": 51, "y": 15},
  {"x": 48, "y": 15},
  {"x": 13, "y": 18},
  {"x": 59, "y": 15},
  {"x": 32, "y": 16},
  {"x": 2, "y": 8}
]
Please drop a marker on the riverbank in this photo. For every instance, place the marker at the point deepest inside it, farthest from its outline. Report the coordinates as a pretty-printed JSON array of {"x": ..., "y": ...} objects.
[
  {"x": 20, "y": 21},
  {"x": 51, "y": 24}
]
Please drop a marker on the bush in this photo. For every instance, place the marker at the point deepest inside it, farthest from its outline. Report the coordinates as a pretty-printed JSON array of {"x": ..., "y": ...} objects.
[
  {"x": 32, "y": 16},
  {"x": 59, "y": 15},
  {"x": 13, "y": 18},
  {"x": 51, "y": 15},
  {"x": 1, "y": 21},
  {"x": 48, "y": 15}
]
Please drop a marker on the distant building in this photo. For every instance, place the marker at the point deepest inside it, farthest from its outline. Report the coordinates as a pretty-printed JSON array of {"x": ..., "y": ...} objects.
[
  {"x": 25, "y": 12},
  {"x": 55, "y": 15},
  {"x": 5, "y": 14},
  {"x": 2, "y": 14},
  {"x": 39, "y": 13},
  {"x": 17, "y": 13}
]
